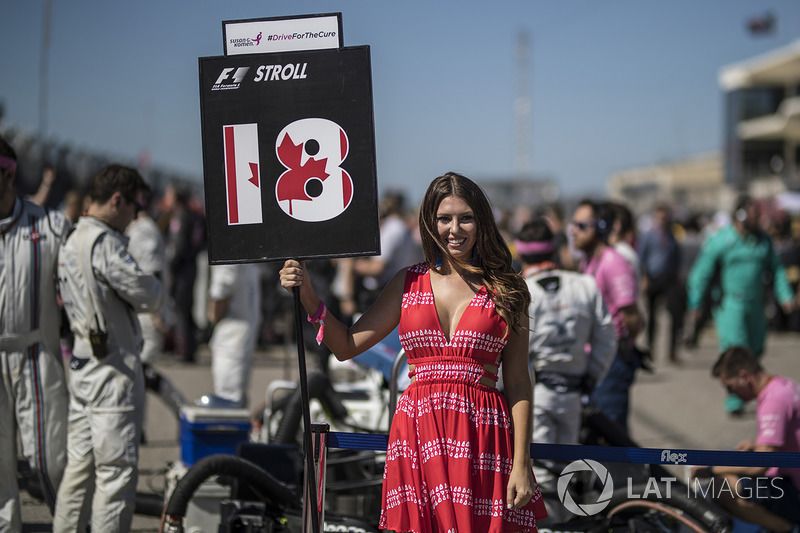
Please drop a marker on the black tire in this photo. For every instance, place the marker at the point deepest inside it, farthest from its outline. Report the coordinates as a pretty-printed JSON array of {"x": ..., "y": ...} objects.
[
  {"x": 290, "y": 425},
  {"x": 649, "y": 514},
  {"x": 701, "y": 511}
]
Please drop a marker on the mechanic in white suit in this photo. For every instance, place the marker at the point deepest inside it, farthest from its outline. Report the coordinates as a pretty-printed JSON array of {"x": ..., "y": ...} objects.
[
  {"x": 234, "y": 308},
  {"x": 572, "y": 340},
  {"x": 33, "y": 389},
  {"x": 103, "y": 288},
  {"x": 146, "y": 245}
]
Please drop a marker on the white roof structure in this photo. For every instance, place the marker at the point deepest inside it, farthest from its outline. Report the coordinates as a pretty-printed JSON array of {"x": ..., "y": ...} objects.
[
  {"x": 779, "y": 67},
  {"x": 776, "y": 67}
]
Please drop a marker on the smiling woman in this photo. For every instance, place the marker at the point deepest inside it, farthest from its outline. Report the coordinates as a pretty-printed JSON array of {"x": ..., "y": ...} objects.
[
  {"x": 484, "y": 254},
  {"x": 455, "y": 224},
  {"x": 458, "y": 452}
]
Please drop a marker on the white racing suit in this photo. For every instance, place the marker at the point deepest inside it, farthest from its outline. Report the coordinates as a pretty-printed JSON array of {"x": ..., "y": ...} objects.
[
  {"x": 33, "y": 392},
  {"x": 572, "y": 344},
  {"x": 234, "y": 337},
  {"x": 147, "y": 247},
  {"x": 106, "y": 394}
]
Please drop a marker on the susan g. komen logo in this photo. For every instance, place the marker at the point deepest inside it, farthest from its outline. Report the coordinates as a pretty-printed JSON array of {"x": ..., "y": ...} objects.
[
  {"x": 314, "y": 187},
  {"x": 603, "y": 477}
]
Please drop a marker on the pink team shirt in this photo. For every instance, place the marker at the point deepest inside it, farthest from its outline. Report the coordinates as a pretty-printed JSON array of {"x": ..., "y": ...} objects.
[
  {"x": 778, "y": 419},
  {"x": 617, "y": 283}
]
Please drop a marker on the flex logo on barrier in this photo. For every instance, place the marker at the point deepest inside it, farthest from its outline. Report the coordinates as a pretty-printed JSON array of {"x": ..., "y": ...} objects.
[{"x": 672, "y": 457}]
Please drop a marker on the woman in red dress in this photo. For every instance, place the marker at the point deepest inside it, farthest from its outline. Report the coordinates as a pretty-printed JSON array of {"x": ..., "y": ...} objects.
[{"x": 458, "y": 456}]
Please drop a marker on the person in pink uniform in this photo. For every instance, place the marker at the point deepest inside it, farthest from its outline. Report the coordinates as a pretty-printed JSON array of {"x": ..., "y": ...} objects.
[
  {"x": 458, "y": 456},
  {"x": 775, "y": 492},
  {"x": 617, "y": 282}
]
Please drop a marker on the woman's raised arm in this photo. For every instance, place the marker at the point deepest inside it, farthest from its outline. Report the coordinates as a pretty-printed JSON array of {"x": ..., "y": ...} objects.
[{"x": 377, "y": 322}]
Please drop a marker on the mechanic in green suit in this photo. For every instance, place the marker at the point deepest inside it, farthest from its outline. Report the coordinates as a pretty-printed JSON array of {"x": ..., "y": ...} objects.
[{"x": 743, "y": 259}]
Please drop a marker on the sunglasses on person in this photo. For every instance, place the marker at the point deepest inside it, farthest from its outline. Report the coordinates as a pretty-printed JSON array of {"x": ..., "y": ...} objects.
[
  {"x": 583, "y": 226},
  {"x": 136, "y": 205},
  {"x": 733, "y": 384}
]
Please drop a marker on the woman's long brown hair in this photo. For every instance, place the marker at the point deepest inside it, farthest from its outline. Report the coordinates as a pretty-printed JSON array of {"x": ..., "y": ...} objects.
[{"x": 493, "y": 259}]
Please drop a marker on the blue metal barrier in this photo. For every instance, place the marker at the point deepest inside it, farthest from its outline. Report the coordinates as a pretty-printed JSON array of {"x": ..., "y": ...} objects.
[{"x": 571, "y": 452}]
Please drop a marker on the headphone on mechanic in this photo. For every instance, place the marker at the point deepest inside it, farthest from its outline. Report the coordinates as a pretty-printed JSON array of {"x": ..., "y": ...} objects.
[
  {"x": 740, "y": 212},
  {"x": 605, "y": 219}
]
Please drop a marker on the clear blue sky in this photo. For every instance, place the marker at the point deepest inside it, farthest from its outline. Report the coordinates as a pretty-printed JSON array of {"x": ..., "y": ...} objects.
[{"x": 614, "y": 84}]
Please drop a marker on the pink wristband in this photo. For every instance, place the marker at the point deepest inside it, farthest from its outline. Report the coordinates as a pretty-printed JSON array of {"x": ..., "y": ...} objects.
[{"x": 319, "y": 316}]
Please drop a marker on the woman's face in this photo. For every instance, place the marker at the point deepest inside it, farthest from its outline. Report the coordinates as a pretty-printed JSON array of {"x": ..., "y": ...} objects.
[{"x": 456, "y": 227}]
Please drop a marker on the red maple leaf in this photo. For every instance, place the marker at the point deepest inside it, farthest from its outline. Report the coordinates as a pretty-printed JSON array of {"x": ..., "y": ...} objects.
[{"x": 292, "y": 183}]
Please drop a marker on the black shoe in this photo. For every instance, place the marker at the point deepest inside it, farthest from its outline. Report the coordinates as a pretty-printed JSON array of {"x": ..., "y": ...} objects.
[
  {"x": 152, "y": 379},
  {"x": 183, "y": 358},
  {"x": 645, "y": 359}
]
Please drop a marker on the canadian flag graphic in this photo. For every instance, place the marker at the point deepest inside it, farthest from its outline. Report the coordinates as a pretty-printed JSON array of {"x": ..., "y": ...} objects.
[{"x": 242, "y": 178}]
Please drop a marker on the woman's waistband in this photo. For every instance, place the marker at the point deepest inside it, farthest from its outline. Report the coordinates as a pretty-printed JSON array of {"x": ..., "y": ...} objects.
[{"x": 465, "y": 371}]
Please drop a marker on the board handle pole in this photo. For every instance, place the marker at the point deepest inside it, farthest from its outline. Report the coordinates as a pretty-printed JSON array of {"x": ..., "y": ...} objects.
[{"x": 310, "y": 505}]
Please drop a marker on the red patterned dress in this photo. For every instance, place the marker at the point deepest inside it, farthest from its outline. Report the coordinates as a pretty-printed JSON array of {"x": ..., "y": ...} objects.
[{"x": 450, "y": 445}]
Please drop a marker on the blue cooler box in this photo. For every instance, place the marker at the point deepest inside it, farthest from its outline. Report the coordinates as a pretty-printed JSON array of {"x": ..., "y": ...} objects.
[{"x": 206, "y": 431}]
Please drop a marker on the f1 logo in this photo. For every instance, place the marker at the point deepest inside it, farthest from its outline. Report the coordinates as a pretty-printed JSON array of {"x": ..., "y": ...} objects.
[
  {"x": 314, "y": 187},
  {"x": 237, "y": 77}
]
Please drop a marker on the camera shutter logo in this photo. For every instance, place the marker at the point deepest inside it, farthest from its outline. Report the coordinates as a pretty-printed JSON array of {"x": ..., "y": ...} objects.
[{"x": 585, "y": 509}]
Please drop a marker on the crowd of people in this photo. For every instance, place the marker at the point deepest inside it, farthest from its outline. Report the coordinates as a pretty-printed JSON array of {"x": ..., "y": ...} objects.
[
  {"x": 732, "y": 271},
  {"x": 569, "y": 304}
]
